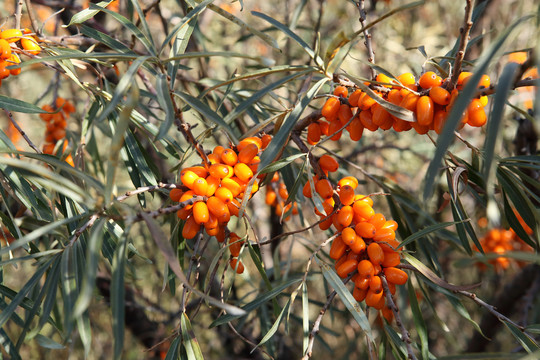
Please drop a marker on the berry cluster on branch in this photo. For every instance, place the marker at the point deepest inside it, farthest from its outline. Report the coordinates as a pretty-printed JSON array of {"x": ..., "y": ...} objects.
[
  {"x": 56, "y": 119},
  {"x": 13, "y": 41}
]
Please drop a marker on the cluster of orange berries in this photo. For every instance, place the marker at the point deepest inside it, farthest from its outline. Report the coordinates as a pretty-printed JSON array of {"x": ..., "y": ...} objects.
[
  {"x": 427, "y": 98},
  {"x": 218, "y": 187},
  {"x": 18, "y": 40},
  {"x": 277, "y": 194},
  {"x": 500, "y": 241},
  {"x": 366, "y": 242},
  {"x": 55, "y": 130}
]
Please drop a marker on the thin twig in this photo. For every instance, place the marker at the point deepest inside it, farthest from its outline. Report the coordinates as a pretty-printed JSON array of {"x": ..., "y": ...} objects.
[
  {"x": 405, "y": 337},
  {"x": 23, "y": 134},
  {"x": 463, "y": 41},
  {"x": 33, "y": 21},
  {"x": 18, "y": 13},
  {"x": 367, "y": 37}
]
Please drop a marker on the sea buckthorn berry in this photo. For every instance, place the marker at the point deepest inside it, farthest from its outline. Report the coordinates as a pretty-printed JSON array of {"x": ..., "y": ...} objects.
[
  {"x": 191, "y": 228},
  {"x": 219, "y": 209},
  {"x": 331, "y": 108},
  {"x": 367, "y": 102},
  {"x": 212, "y": 223},
  {"x": 483, "y": 99},
  {"x": 362, "y": 283},
  {"x": 395, "y": 275},
  {"x": 384, "y": 234},
  {"x": 183, "y": 213},
  {"x": 345, "y": 216},
  {"x": 366, "y": 269},
  {"x": 328, "y": 163},
  {"x": 306, "y": 190},
  {"x": 235, "y": 244},
  {"x": 477, "y": 118},
  {"x": 346, "y": 194},
  {"x": 5, "y": 49},
  {"x": 348, "y": 180},
  {"x": 325, "y": 225},
  {"x": 424, "y": 110},
  {"x": 174, "y": 194},
  {"x": 461, "y": 79},
  {"x": 248, "y": 153},
  {"x": 429, "y": 80},
  {"x": 375, "y": 284},
  {"x": 4, "y": 73},
  {"x": 229, "y": 157},
  {"x": 237, "y": 265},
  {"x": 213, "y": 184},
  {"x": 186, "y": 196},
  {"x": 347, "y": 267},
  {"x": 334, "y": 128},
  {"x": 358, "y": 294},
  {"x": 353, "y": 99},
  {"x": 439, "y": 95},
  {"x": 363, "y": 210},
  {"x": 11, "y": 35},
  {"x": 348, "y": 236},
  {"x": 338, "y": 248},
  {"x": 221, "y": 171},
  {"x": 375, "y": 253},
  {"x": 271, "y": 197},
  {"x": 344, "y": 114},
  {"x": 234, "y": 207},
  {"x": 314, "y": 133},
  {"x": 325, "y": 126},
  {"x": 30, "y": 45},
  {"x": 324, "y": 188},
  {"x": 358, "y": 246},
  {"x": 365, "y": 229},
  {"x": 390, "y": 224},
  {"x": 59, "y": 134},
  {"x": 249, "y": 140},
  {"x": 409, "y": 102},
  {"x": 200, "y": 186},
  {"x": 341, "y": 91},
  {"x": 407, "y": 79},
  {"x": 439, "y": 119},
  {"x": 218, "y": 151},
  {"x": 381, "y": 117},
  {"x": 391, "y": 259},
  {"x": 14, "y": 60},
  {"x": 377, "y": 220},
  {"x": 475, "y": 105},
  {"x": 265, "y": 140},
  {"x": 188, "y": 177},
  {"x": 355, "y": 129},
  {"x": 382, "y": 78},
  {"x": 367, "y": 120},
  {"x": 224, "y": 194},
  {"x": 200, "y": 212},
  {"x": 390, "y": 245},
  {"x": 395, "y": 97},
  {"x": 243, "y": 172},
  {"x": 375, "y": 299}
]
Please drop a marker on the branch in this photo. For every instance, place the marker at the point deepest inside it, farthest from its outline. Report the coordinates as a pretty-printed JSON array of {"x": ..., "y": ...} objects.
[
  {"x": 23, "y": 134},
  {"x": 463, "y": 41},
  {"x": 367, "y": 37}
]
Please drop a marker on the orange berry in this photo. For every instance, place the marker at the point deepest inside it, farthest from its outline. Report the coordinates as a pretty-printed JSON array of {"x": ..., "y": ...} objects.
[
  {"x": 224, "y": 194},
  {"x": 382, "y": 78},
  {"x": 221, "y": 171},
  {"x": 391, "y": 259},
  {"x": 14, "y": 60},
  {"x": 375, "y": 284},
  {"x": 338, "y": 248},
  {"x": 381, "y": 117},
  {"x": 235, "y": 244},
  {"x": 409, "y": 101},
  {"x": 348, "y": 236},
  {"x": 188, "y": 177},
  {"x": 237, "y": 265},
  {"x": 439, "y": 95},
  {"x": 355, "y": 129},
  {"x": 183, "y": 213},
  {"x": 313, "y": 133},
  {"x": 365, "y": 229},
  {"x": 265, "y": 140},
  {"x": 234, "y": 184},
  {"x": 249, "y": 140},
  {"x": 243, "y": 172},
  {"x": 358, "y": 294},
  {"x": 229, "y": 157},
  {"x": 334, "y": 128},
  {"x": 174, "y": 194},
  {"x": 350, "y": 181},
  {"x": 344, "y": 114},
  {"x": 358, "y": 246},
  {"x": 387, "y": 313},
  {"x": 407, "y": 79},
  {"x": 484, "y": 82},
  {"x": 213, "y": 184},
  {"x": 347, "y": 267},
  {"x": 200, "y": 212},
  {"x": 218, "y": 151},
  {"x": 248, "y": 153},
  {"x": 429, "y": 80},
  {"x": 271, "y": 197},
  {"x": 367, "y": 102},
  {"x": 191, "y": 228},
  {"x": 328, "y": 163},
  {"x": 199, "y": 170},
  {"x": 306, "y": 190},
  {"x": 200, "y": 186},
  {"x": 461, "y": 79},
  {"x": 324, "y": 127},
  {"x": 5, "y": 49},
  {"x": 375, "y": 253},
  {"x": 366, "y": 119},
  {"x": 395, "y": 97},
  {"x": 483, "y": 99},
  {"x": 324, "y": 188},
  {"x": 331, "y": 108},
  {"x": 30, "y": 45},
  {"x": 366, "y": 269},
  {"x": 59, "y": 134},
  {"x": 375, "y": 299},
  {"x": 395, "y": 275},
  {"x": 424, "y": 110},
  {"x": 346, "y": 194},
  {"x": 439, "y": 119},
  {"x": 377, "y": 220},
  {"x": 11, "y": 35},
  {"x": 477, "y": 118},
  {"x": 341, "y": 91},
  {"x": 362, "y": 283},
  {"x": 353, "y": 99},
  {"x": 219, "y": 209},
  {"x": 390, "y": 224},
  {"x": 363, "y": 210}
]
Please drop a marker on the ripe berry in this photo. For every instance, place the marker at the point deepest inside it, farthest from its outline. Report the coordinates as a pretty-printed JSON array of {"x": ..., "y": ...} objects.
[
  {"x": 243, "y": 172},
  {"x": 191, "y": 228},
  {"x": 347, "y": 267},
  {"x": 338, "y": 248},
  {"x": 188, "y": 177},
  {"x": 200, "y": 212},
  {"x": 429, "y": 80},
  {"x": 237, "y": 265},
  {"x": 395, "y": 275},
  {"x": 175, "y": 194},
  {"x": 248, "y": 153},
  {"x": 439, "y": 95},
  {"x": 328, "y": 163},
  {"x": 424, "y": 111},
  {"x": 353, "y": 99},
  {"x": 229, "y": 157},
  {"x": 375, "y": 253},
  {"x": 324, "y": 188},
  {"x": 330, "y": 108},
  {"x": 341, "y": 91},
  {"x": 200, "y": 186}
]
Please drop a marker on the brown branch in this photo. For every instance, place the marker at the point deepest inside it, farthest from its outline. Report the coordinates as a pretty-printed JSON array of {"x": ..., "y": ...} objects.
[
  {"x": 30, "y": 11},
  {"x": 405, "y": 337},
  {"x": 367, "y": 37},
  {"x": 18, "y": 13},
  {"x": 463, "y": 41}
]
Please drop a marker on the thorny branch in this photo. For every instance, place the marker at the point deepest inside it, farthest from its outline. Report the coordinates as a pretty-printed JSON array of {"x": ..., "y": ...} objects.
[
  {"x": 367, "y": 36},
  {"x": 463, "y": 41},
  {"x": 21, "y": 131}
]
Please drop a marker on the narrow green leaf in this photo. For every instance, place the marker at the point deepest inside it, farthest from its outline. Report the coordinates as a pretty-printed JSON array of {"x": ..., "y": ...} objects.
[
  {"x": 142, "y": 18},
  {"x": 305, "y": 317},
  {"x": 174, "y": 349},
  {"x": 428, "y": 230},
  {"x": 48, "y": 343},
  {"x": 178, "y": 47},
  {"x": 87, "y": 14},
  {"x": 346, "y": 297},
  {"x": 275, "y": 326},
  {"x": 287, "y": 31},
  {"x": 164, "y": 99},
  {"x": 282, "y": 136},
  {"x": 528, "y": 343},
  {"x": 208, "y": 113},
  {"x": 275, "y": 166},
  {"x": 421, "y": 328},
  {"x": 190, "y": 342},
  {"x": 92, "y": 258},
  {"x": 16, "y": 105}
]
